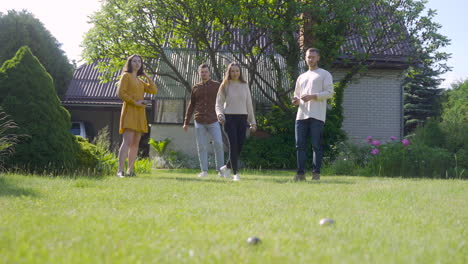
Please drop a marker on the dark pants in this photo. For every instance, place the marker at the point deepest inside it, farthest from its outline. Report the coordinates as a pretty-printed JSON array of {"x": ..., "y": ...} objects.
[
  {"x": 313, "y": 129},
  {"x": 235, "y": 127}
]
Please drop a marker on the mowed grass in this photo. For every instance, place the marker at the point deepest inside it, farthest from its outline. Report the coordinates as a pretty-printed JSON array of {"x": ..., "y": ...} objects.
[{"x": 175, "y": 217}]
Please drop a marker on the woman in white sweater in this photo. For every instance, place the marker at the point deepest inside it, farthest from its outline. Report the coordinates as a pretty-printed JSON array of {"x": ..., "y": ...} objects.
[{"x": 235, "y": 111}]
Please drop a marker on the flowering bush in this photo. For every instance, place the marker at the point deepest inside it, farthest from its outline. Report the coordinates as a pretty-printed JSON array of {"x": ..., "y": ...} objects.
[{"x": 408, "y": 160}]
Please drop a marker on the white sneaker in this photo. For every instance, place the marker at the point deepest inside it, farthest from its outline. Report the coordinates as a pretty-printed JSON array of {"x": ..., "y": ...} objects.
[
  {"x": 225, "y": 171},
  {"x": 236, "y": 177},
  {"x": 203, "y": 174},
  {"x": 220, "y": 174}
]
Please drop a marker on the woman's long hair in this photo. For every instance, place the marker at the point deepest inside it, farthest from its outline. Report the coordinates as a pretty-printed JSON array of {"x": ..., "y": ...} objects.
[
  {"x": 128, "y": 65},
  {"x": 227, "y": 76}
]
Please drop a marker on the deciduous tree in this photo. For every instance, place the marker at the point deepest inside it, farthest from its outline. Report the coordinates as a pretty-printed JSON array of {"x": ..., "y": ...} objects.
[{"x": 19, "y": 28}]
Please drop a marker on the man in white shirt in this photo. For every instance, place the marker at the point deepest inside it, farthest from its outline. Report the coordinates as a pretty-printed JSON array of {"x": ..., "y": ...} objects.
[{"x": 313, "y": 88}]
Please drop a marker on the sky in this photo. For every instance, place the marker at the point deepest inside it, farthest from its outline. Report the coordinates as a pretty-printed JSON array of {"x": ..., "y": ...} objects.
[{"x": 68, "y": 21}]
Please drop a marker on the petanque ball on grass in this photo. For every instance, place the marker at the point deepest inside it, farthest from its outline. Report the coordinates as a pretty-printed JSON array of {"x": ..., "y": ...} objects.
[
  {"x": 327, "y": 221},
  {"x": 253, "y": 240}
]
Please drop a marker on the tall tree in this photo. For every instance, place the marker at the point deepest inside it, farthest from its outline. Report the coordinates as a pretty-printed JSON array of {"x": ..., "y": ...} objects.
[
  {"x": 267, "y": 37},
  {"x": 34, "y": 106},
  {"x": 428, "y": 62},
  {"x": 22, "y": 28}
]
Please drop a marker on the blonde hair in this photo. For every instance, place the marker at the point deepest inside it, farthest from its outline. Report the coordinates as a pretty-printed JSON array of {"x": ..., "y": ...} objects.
[{"x": 227, "y": 76}]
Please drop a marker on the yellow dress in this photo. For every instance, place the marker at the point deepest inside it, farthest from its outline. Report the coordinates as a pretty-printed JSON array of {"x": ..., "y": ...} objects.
[{"x": 131, "y": 90}]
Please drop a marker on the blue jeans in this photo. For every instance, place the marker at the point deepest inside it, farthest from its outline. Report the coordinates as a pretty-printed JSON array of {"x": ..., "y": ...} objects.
[
  {"x": 201, "y": 131},
  {"x": 313, "y": 129}
]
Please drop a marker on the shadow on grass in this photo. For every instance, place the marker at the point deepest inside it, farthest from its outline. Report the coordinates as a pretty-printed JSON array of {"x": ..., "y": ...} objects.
[
  {"x": 9, "y": 189},
  {"x": 274, "y": 179},
  {"x": 188, "y": 179},
  {"x": 308, "y": 181}
]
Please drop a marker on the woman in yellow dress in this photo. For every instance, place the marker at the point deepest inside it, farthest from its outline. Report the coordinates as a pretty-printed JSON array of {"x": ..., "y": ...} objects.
[{"x": 131, "y": 90}]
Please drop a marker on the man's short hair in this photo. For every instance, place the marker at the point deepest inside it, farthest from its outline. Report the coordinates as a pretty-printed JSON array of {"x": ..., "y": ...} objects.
[
  {"x": 204, "y": 65},
  {"x": 313, "y": 50}
]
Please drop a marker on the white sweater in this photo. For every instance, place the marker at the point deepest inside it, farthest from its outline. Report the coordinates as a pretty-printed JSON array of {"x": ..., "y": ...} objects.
[
  {"x": 318, "y": 82},
  {"x": 235, "y": 98}
]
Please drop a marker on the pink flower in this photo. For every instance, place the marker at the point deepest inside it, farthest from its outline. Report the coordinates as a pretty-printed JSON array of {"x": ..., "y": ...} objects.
[
  {"x": 374, "y": 151},
  {"x": 376, "y": 143},
  {"x": 405, "y": 142},
  {"x": 369, "y": 139},
  {"x": 393, "y": 138}
]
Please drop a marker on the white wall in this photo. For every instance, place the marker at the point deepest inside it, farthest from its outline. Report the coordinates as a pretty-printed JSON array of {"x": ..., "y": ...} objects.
[{"x": 373, "y": 105}]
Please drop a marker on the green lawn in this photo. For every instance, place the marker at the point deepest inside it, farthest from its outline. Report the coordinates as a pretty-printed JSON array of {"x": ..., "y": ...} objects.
[{"x": 174, "y": 217}]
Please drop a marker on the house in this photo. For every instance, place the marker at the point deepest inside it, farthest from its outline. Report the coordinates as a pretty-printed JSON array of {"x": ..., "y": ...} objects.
[{"x": 373, "y": 105}]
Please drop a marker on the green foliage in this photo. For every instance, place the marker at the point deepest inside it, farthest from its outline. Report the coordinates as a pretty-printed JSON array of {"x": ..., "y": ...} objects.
[
  {"x": 455, "y": 110},
  {"x": 456, "y": 141},
  {"x": 431, "y": 134},
  {"x": 86, "y": 157},
  {"x": 160, "y": 146},
  {"x": 102, "y": 139},
  {"x": 143, "y": 166},
  {"x": 8, "y": 139},
  {"x": 159, "y": 25},
  {"x": 415, "y": 160},
  {"x": 350, "y": 158},
  {"x": 29, "y": 97},
  {"x": 168, "y": 158},
  {"x": 278, "y": 151},
  {"x": 96, "y": 159},
  {"x": 107, "y": 160},
  {"x": 421, "y": 97},
  {"x": 421, "y": 93},
  {"x": 275, "y": 152},
  {"x": 343, "y": 167},
  {"x": 175, "y": 160},
  {"x": 20, "y": 28}
]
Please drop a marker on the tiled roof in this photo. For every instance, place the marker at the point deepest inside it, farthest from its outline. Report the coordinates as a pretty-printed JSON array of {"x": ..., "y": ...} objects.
[{"x": 87, "y": 88}]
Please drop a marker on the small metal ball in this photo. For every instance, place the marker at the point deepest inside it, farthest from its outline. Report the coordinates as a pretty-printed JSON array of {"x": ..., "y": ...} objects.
[
  {"x": 327, "y": 221},
  {"x": 253, "y": 240}
]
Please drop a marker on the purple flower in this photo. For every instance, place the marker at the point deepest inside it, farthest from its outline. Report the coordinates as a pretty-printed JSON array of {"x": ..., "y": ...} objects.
[
  {"x": 374, "y": 151},
  {"x": 393, "y": 138},
  {"x": 369, "y": 139},
  {"x": 376, "y": 143},
  {"x": 405, "y": 142}
]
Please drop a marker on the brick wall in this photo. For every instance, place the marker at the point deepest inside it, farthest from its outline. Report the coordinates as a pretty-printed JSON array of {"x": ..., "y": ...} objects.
[{"x": 373, "y": 105}]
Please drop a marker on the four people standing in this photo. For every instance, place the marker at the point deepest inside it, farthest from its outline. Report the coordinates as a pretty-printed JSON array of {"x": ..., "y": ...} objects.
[
  {"x": 202, "y": 105},
  {"x": 231, "y": 104}
]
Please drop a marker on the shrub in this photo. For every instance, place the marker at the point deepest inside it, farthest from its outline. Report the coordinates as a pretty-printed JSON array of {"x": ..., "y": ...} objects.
[
  {"x": 143, "y": 166},
  {"x": 28, "y": 96},
  {"x": 276, "y": 152},
  {"x": 86, "y": 157},
  {"x": 414, "y": 160},
  {"x": 430, "y": 134},
  {"x": 94, "y": 161},
  {"x": 175, "y": 160},
  {"x": 279, "y": 150},
  {"x": 8, "y": 140},
  {"x": 455, "y": 110},
  {"x": 170, "y": 159},
  {"x": 107, "y": 160},
  {"x": 350, "y": 158}
]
